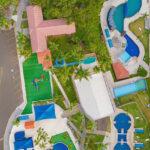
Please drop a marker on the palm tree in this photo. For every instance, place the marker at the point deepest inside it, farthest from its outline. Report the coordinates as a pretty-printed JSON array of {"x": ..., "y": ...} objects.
[
  {"x": 82, "y": 73},
  {"x": 16, "y": 122},
  {"x": 42, "y": 145},
  {"x": 96, "y": 69},
  {"x": 145, "y": 15}
]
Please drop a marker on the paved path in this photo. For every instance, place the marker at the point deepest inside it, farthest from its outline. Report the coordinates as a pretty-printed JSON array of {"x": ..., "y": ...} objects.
[
  {"x": 67, "y": 102},
  {"x": 10, "y": 89},
  {"x": 21, "y": 8}
]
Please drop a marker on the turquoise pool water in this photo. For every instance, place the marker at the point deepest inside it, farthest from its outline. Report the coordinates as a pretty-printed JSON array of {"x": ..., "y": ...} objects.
[
  {"x": 125, "y": 57},
  {"x": 130, "y": 88},
  {"x": 119, "y": 18},
  {"x": 125, "y": 10},
  {"x": 132, "y": 7}
]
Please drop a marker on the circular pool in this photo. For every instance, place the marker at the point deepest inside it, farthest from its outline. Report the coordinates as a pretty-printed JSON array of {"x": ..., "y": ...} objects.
[{"x": 60, "y": 146}]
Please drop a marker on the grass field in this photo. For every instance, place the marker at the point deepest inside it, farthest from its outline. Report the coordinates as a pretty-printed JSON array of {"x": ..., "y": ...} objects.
[
  {"x": 33, "y": 70},
  {"x": 63, "y": 138}
]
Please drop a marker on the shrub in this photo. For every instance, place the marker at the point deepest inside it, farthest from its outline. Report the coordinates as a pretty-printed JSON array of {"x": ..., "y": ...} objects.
[{"x": 142, "y": 72}]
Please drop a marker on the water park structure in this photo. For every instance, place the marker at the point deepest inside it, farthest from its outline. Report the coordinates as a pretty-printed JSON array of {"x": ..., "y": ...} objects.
[
  {"x": 95, "y": 105},
  {"x": 124, "y": 47}
]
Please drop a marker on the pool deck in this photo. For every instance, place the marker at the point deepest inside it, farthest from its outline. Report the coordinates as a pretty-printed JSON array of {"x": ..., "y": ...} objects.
[
  {"x": 51, "y": 126},
  {"x": 133, "y": 64},
  {"x": 114, "y": 133}
]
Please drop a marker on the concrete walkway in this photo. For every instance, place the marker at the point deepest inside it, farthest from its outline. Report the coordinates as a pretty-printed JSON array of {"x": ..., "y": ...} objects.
[
  {"x": 67, "y": 102},
  {"x": 21, "y": 8}
]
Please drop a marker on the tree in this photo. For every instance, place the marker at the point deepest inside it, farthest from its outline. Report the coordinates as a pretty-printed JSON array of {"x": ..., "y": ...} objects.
[
  {"x": 24, "y": 45},
  {"x": 41, "y": 139},
  {"x": 96, "y": 69},
  {"x": 64, "y": 73},
  {"x": 16, "y": 122},
  {"x": 142, "y": 72},
  {"x": 82, "y": 73}
]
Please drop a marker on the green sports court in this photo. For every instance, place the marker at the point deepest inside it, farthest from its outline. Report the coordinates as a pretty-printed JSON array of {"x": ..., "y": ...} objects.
[{"x": 32, "y": 70}]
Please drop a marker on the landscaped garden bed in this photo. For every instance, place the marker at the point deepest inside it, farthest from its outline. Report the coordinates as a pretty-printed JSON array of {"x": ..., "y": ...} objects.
[{"x": 63, "y": 138}]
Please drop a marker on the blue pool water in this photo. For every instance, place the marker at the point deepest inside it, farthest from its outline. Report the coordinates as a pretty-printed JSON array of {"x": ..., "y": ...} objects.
[
  {"x": 132, "y": 7},
  {"x": 107, "y": 33},
  {"x": 123, "y": 146},
  {"x": 139, "y": 145},
  {"x": 128, "y": 9},
  {"x": 122, "y": 123},
  {"x": 60, "y": 146},
  {"x": 139, "y": 131},
  {"x": 122, "y": 137},
  {"x": 130, "y": 88},
  {"x": 110, "y": 43},
  {"x": 132, "y": 49},
  {"x": 125, "y": 57},
  {"x": 118, "y": 18}
]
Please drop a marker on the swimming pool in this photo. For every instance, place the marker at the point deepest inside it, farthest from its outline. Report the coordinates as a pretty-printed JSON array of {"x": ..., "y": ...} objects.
[
  {"x": 126, "y": 10},
  {"x": 123, "y": 146},
  {"x": 110, "y": 43},
  {"x": 60, "y": 146},
  {"x": 107, "y": 33},
  {"x": 139, "y": 145},
  {"x": 139, "y": 131},
  {"x": 122, "y": 124},
  {"x": 132, "y": 49},
  {"x": 122, "y": 137},
  {"x": 125, "y": 57},
  {"x": 130, "y": 88}
]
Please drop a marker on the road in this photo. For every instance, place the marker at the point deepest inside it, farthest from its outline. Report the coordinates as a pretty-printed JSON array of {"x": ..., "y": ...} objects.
[{"x": 10, "y": 83}]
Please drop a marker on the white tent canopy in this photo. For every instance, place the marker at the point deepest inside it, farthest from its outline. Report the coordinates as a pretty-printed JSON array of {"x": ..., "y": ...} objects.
[{"x": 93, "y": 96}]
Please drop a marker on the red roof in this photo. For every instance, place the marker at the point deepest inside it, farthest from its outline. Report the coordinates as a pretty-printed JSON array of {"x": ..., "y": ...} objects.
[
  {"x": 120, "y": 71},
  {"x": 45, "y": 59},
  {"x": 29, "y": 125},
  {"x": 40, "y": 29}
]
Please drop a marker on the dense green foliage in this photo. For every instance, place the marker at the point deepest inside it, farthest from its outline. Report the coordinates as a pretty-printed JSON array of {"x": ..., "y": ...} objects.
[
  {"x": 16, "y": 122},
  {"x": 87, "y": 39},
  {"x": 6, "y": 3},
  {"x": 4, "y": 11},
  {"x": 82, "y": 73},
  {"x": 4, "y": 23},
  {"x": 142, "y": 72},
  {"x": 24, "y": 45}
]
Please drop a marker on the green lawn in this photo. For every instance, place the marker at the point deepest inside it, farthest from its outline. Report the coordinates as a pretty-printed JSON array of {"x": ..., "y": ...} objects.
[
  {"x": 142, "y": 36},
  {"x": 148, "y": 86},
  {"x": 94, "y": 142},
  {"x": 135, "y": 111},
  {"x": 33, "y": 70},
  {"x": 63, "y": 138}
]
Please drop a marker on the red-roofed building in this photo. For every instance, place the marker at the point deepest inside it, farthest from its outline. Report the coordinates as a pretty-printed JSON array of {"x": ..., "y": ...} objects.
[
  {"x": 39, "y": 29},
  {"x": 29, "y": 125},
  {"x": 120, "y": 71}
]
